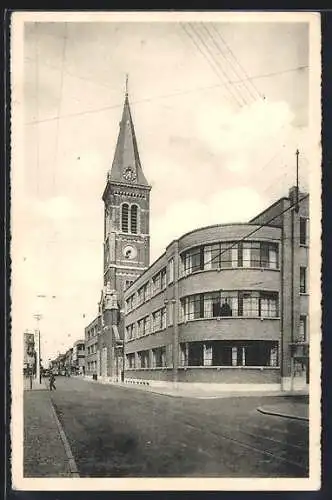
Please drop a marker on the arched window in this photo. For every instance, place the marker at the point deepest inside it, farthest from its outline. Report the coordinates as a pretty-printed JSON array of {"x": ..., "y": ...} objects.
[
  {"x": 133, "y": 219},
  {"x": 125, "y": 218}
]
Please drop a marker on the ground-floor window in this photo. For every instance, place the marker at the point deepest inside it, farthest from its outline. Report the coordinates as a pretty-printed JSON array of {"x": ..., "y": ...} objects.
[
  {"x": 130, "y": 360},
  {"x": 229, "y": 353},
  {"x": 159, "y": 357},
  {"x": 143, "y": 359}
]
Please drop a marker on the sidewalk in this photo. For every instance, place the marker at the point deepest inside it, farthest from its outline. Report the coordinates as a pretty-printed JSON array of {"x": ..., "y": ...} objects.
[
  {"x": 295, "y": 408},
  {"x": 36, "y": 386},
  {"x": 44, "y": 451},
  {"x": 181, "y": 391}
]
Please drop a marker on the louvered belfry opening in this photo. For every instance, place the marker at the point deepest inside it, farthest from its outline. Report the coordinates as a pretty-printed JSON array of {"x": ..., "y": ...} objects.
[
  {"x": 133, "y": 219},
  {"x": 125, "y": 218}
]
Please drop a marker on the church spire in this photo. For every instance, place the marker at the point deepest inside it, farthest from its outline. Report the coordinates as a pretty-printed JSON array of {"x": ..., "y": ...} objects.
[{"x": 126, "y": 166}]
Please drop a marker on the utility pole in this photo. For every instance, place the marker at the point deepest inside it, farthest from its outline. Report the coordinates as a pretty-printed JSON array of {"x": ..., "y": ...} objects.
[
  {"x": 297, "y": 181},
  {"x": 38, "y": 317}
]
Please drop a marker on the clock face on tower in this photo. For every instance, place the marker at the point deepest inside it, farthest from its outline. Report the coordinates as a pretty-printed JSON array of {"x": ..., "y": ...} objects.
[
  {"x": 129, "y": 252},
  {"x": 129, "y": 174}
]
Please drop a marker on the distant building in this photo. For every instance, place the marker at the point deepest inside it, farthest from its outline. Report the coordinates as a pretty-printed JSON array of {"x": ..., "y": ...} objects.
[
  {"x": 92, "y": 332},
  {"x": 226, "y": 304},
  {"x": 78, "y": 357},
  {"x": 29, "y": 356}
]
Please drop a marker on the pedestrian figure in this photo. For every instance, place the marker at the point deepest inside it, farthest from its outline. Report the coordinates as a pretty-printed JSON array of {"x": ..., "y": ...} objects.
[{"x": 52, "y": 382}]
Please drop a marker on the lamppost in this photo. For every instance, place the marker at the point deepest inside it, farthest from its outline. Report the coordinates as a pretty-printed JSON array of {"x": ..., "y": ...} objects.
[{"x": 38, "y": 317}]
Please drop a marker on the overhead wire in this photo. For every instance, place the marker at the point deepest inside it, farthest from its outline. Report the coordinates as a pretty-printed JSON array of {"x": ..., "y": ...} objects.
[
  {"x": 239, "y": 99},
  {"x": 208, "y": 59},
  {"x": 165, "y": 96},
  {"x": 220, "y": 52},
  {"x": 237, "y": 61}
]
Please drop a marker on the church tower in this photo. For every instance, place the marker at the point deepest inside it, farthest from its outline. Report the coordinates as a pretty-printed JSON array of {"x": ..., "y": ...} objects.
[{"x": 127, "y": 211}]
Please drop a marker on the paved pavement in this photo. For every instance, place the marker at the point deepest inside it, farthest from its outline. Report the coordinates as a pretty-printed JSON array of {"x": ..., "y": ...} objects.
[
  {"x": 44, "y": 451},
  {"x": 34, "y": 384},
  {"x": 117, "y": 431}
]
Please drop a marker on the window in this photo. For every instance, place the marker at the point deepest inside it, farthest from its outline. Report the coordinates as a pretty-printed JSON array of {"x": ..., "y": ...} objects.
[
  {"x": 212, "y": 256},
  {"x": 125, "y": 218},
  {"x": 130, "y": 331},
  {"x": 130, "y": 303},
  {"x": 159, "y": 357},
  {"x": 163, "y": 278},
  {"x": 268, "y": 305},
  {"x": 171, "y": 271},
  {"x": 303, "y": 280},
  {"x": 156, "y": 283},
  {"x": 226, "y": 254},
  {"x": 207, "y": 354},
  {"x": 140, "y": 328},
  {"x": 303, "y": 337},
  {"x": 131, "y": 360},
  {"x": 163, "y": 318},
  {"x": 193, "y": 307},
  {"x": 248, "y": 303},
  {"x": 133, "y": 219},
  {"x": 143, "y": 359},
  {"x": 303, "y": 231},
  {"x": 192, "y": 260},
  {"x": 143, "y": 293},
  {"x": 195, "y": 354},
  {"x": 159, "y": 319},
  {"x": 128, "y": 283},
  {"x": 146, "y": 325}
]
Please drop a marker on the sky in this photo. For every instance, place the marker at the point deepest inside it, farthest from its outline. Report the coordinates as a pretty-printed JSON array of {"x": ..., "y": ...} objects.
[{"x": 213, "y": 151}]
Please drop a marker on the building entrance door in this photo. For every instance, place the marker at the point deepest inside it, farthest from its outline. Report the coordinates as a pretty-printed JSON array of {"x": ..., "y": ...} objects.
[{"x": 301, "y": 373}]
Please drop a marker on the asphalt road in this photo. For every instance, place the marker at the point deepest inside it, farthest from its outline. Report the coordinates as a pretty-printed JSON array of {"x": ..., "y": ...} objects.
[{"x": 122, "y": 432}]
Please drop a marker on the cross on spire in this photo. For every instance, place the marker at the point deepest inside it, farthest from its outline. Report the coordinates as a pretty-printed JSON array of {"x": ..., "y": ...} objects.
[{"x": 127, "y": 84}]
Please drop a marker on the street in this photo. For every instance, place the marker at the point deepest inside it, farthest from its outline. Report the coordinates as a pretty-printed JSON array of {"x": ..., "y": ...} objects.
[{"x": 124, "y": 432}]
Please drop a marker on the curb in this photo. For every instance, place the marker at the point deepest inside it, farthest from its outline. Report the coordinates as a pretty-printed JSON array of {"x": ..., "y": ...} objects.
[
  {"x": 71, "y": 461},
  {"x": 283, "y": 415}
]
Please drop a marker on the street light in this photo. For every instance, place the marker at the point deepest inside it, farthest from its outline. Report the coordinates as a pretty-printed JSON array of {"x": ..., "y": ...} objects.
[{"x": 38, "y": 317}]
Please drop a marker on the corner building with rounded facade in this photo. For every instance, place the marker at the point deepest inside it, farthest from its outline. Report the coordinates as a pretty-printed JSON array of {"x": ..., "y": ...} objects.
[{"x": 223, "y": 307}]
